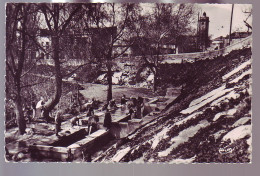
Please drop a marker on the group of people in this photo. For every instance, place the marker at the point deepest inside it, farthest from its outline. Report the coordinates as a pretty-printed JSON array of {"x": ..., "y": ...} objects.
[
  {"x": 134, "y": 106},
  {"x": 93, "y": 119},
  {"x": 34, "y": 111}
]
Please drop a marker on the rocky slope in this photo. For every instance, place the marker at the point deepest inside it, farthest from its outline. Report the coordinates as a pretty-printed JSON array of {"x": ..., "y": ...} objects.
[{"x": 209, "y": 122}]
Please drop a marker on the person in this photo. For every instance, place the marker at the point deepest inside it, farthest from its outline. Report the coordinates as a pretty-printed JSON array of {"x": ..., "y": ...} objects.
[
  {"x": 94, "y": 103},
  {"x": 107, "y": 120},
  {"x": 28, "y": 113},
  {"x": 134, "y": 100},
  {"x": 139, "y": 105},
  {"x": 57, "y": 122},
  {"x": 39, "y": 104},
  {"x": 92, "y": 124},
  {"x": 33, "y": 107},
  {"x": 42, "y": 109},
  {"x": 86, "y": 155},
  {"x": 74, "y": 121},
  {"x": 123, "y": 100},
  {"x": 105, "y": 107},
  {"x": 39, "y": 108},
  {"x": 90, "y": 111},
  {"x": 132, "y": 113},
  {"x": 112, "y": 104},
  {"x": 73, "y": 109}
]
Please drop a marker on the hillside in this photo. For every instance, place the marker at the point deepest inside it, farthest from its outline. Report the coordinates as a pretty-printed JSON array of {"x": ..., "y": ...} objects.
[{"x": 209, "y": 122}]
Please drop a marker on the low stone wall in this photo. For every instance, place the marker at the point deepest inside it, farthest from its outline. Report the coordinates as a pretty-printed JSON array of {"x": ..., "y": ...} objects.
[
  {"x": 193, "y": 57},
  {"x": 71, "y": 62}
]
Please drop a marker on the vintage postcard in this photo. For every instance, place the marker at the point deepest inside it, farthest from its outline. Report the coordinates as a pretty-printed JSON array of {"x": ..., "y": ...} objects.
[{"x": 128, "y": 82}]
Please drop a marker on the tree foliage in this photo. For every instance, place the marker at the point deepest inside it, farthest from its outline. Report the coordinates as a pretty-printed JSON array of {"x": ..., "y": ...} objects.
[
  {"x": 161, "y": 29},
  {"x": 20, "y": 40}
]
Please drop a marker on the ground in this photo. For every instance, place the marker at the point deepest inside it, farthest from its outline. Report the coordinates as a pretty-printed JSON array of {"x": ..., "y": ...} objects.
[
  {"x": 210, "y": 121},
  {"x": 99, "y": 92},
  {"x": 44, "y": 133}
]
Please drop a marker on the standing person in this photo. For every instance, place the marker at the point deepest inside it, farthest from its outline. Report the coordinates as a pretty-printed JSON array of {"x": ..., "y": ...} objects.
[
  {"x": 94, "y": 103},
  {"x": 90, "y": 111},
  {"x": 92, "y": 124},
  {"x": 33, "y": 107},
  {"x": 123, "y": 100},
  {"x": 139, "y": 105},
  {"x": 107, "y": 120},
  {"x": 38, "y": 111},
  {"x": 58, "y": 122},
  {"x": 42, "y": 109},
  {"x": 28, "y": 113},
  {"x": 134, "y": 101}
]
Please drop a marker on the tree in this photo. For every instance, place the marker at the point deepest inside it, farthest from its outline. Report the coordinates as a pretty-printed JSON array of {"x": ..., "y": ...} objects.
[
  {"x": 164, "y": 26},
  {"x": 20, "y": 22},
  {"x": 111, "y": 27},
  {"x": 248, "y": 21},
  {"x": 57, "y": 17}
]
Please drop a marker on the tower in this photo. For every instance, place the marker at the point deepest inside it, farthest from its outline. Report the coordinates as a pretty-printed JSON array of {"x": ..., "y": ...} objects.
[{"x": 203, "y": 32}]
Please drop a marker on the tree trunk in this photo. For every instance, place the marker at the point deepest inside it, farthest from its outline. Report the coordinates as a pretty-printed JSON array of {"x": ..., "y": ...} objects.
[
  {"x": 109, "y": 80},
  {"x": 19, "y": 109},
  {"x": 58, "y": 79},
  {"x": 155, "y": 81},
  {"x": 17, "y": 79}
]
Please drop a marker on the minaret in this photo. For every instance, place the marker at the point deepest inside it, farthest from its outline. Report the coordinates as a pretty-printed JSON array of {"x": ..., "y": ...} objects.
[{"x": 203, "y": 32}]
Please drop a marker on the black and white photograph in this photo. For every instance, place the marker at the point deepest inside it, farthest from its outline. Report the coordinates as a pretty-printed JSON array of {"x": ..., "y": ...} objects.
[{"x": 128, "y": 83}]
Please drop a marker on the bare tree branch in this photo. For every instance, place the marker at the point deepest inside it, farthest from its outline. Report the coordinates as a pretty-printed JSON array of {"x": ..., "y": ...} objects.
[{"x": 34, "y": 84}]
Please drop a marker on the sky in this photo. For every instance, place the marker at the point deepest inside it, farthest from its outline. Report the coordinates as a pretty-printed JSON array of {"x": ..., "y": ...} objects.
[{"x": 220, "y": 15}]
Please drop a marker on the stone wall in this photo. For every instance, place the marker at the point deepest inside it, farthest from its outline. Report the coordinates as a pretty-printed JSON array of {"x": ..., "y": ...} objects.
[
  {"x": 192, "y": 57},
  {"x": 130, "y": 63}
]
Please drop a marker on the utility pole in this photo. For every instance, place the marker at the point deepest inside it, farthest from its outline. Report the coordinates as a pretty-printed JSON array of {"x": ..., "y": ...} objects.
[{"x": 231, "y": 23}]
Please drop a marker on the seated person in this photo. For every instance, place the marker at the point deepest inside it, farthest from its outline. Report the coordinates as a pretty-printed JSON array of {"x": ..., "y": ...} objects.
[
  {"x": 132, "y": 113},
  {"x": 74, "y": 121},
  {"x": 105, "y": 107},
  {"x": 112, "y": 104}
]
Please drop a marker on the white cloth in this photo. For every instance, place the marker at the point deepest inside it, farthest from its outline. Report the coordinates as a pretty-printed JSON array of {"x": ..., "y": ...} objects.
[{"x": 39, "y": 104}]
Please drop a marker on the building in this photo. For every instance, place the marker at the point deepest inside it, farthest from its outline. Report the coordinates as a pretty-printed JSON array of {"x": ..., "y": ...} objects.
[
  {"x": 217, "y": 43},
  {"x": 75, "y": 45},
  {"x": 203, "y": 32},
  {"x": 236, "y": 37},
  {"x": 221, "y": 42}
]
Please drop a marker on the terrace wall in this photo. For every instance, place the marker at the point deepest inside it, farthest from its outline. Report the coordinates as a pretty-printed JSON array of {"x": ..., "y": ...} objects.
[{"x": 170, "y": 58}]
